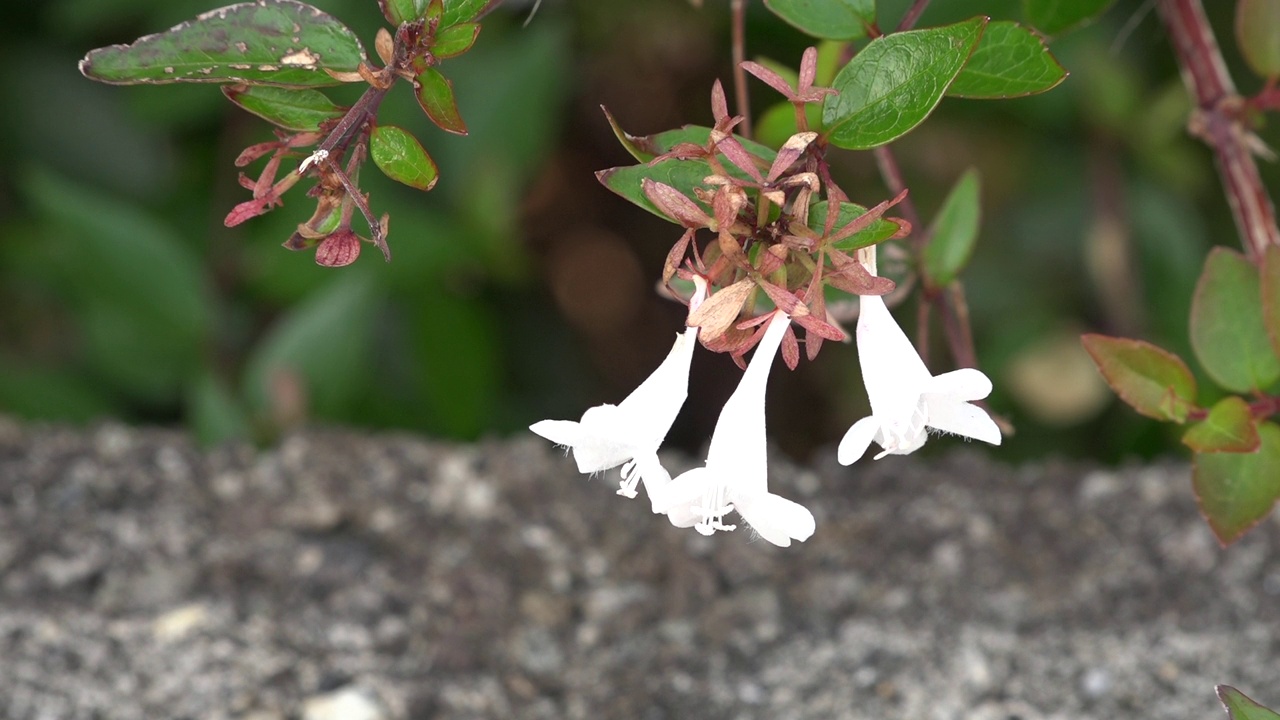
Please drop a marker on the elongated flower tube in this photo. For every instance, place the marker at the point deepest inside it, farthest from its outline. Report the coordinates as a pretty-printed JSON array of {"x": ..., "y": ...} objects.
[
  {"x": 630, "y": 433},
  {"x": 736, "y": 474},
  {"x": 906, "y": 399}
]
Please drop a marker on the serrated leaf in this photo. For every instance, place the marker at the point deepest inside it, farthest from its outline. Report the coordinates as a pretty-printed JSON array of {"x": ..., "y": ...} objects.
[
  {"x": 1227, "y": 331},
  {"x": 455, "y": 40},
  {"x": 435, "y": 95},
  {"x": 828, "y": 19},
  {"x": 1270, "y": 287},
  {"x": 955, "y": 231},
  {"x": 1258, "y": 33},
  {"x": 876, "y": 232},
  {"x": 1236, "y": 490},
  {"x": 297, "y": 110},
  {"x": 274, "y": 42},
  {"x": 1053, "y": 16},
  {"x": 1229, "y": 427},
  {"x": 1010, "y": 61},
  {"x": 1241, "y": 707},
  {"x": 461, "y": 11},
  {"x": 400, "y": 156},
  {"x": 1153, "y": 381},
  {"x": 398, "y": 12},
  {"x": 893, "y": 84}
]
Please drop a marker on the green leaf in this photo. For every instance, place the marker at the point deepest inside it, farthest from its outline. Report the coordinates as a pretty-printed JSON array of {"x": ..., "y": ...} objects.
[
  {"x": 1053, "y": 16},
  {"x": 435, "y": 95},
  {"x": 955, "y": 231},
  {"x": 323, "y": 344},
  {"x": 273, "y": 42},
  {"x": 1227, "y": 331},
  {"x": 829, "y": 19},
  {"x": 1258, "y": 33},
  {"x": 683, "y": 175},
  {"x": 453, "y": 41},
  {"x": 876, "y": 232},
  {"x": 400, "y": 157},
  {"x": 1010, "y": 61},
  {"x": 399, "y": 12},
  {"x": 1153, "y": 381},
  {"x": 1236, "y": 490},
  {"x": 647, "y": 147},
  {"x": 297, "y": 110},
  {"x": 1240, "y": 707},
  {"x": 461, "y": 11},
  {"x": 895, "y": 82},
  {"x": 1230, "y": 427},
  {"x": 778, "y": 123},
  {"x": 1270, "y": 288}
]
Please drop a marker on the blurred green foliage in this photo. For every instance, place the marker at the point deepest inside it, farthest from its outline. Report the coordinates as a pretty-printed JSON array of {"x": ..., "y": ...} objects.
[{"x": 122, "y": 295}]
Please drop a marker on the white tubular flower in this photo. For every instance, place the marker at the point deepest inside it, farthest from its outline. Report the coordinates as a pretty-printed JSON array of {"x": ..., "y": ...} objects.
[
  {"x": 630, "y": 433},
  {"x": 736, "y": 474},
  {"x": 905, "y": 398}
]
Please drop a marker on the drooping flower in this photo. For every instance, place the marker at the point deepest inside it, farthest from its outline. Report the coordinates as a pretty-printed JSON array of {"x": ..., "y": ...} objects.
[
  {"x": 906, "y": 399},
  {"x": 736, "y": 474},
  {"x": 630, "y": 433}
]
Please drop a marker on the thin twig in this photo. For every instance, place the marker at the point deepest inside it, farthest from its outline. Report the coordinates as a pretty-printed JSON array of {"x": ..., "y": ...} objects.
[
  {"x": 742, "y": 99},
  {"x": 1216, "y": 120},
  {"x": 913, "y": 14}
]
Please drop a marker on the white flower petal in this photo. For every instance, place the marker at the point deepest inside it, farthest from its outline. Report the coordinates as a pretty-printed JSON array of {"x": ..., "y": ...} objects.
[
  {"x": 560, "y": 432},
  {"x": 685, "y": 491},
  {"x": 892, "y": 370},
  {"x": 775, "y": 518},
  {"x": 961, "y": 418},
  {"x": 652, "y": 474},
  {"x": 963, "y": 384},
  {"x": 652, "y": 407},
  {"x": 855, "y": 442}
]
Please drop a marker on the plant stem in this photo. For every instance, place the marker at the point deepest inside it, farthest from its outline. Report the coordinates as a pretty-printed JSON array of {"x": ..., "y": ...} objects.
[
  {"x": 741, "y": 98},
  {"x": 913, "y": 14},
  {"x": 1216, "y": 120}
]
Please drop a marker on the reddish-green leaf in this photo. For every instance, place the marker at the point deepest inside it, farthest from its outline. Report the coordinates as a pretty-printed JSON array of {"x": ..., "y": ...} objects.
[
  {"x": 1227, "y": 331},
  {"x": 297, "y": 110},
  {"x": 893, "y": 84},
  {"x": 1236, "y": 490},
  {"x": 273, "y": 42},
  {"x": 1153, "y": 381},
  {"x": 400, "y": 157},
  {"x": 1053, "y": 16},
  {"x": 398, "y": 12},
  {"x": 646, "y": 147},
  {"x": 829, "y": 19},
  {"x": 435, "y": 95},
  {"x": 877, "y": 232},
  {"x": 1230, "y": 427},
  {"x": 455, "y": 40},
  {"x": 461, "y": 11},
  {"x": 1258, "y": 33},
  {"x": 1241, "y": 707},
  {"x": 955, "y": 231},
  {"x": 1270, "y": 283},
  {"x": 1010, "y": 61}
]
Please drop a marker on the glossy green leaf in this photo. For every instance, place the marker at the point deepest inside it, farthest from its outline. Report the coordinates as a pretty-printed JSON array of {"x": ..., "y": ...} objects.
[
  {"x": 1241, "y": 707},
  {"x": 297, "y": 110},
  {"x": 1258, "y": 34},
  {"x": 273, "y": 42},
  {"x": 322, "y": 345},
  {"x": 829, "y": 19},
  {"x": 877, "y": 232},
  {"x": 1230, "y": 427},
  {"x": 1227, "y": 332},
  {"x": 461, "y": 11},
  {"x": 398, "y": 12},
  {"x": 455, "y": 40},
  {"x": 955, "y": 231},
  {"x": 1153, "y": 381},
  {"x": 646, "y": 147},
  {"x": 683, "y": 175},
  {"x": 400, "y": 156},
  {"x": 1236, "y": 490},
  {"x": 893, "y": 84},
  {"x": 1053, "y": 16},
  {"x": 435, "y": 95},
  {"x": 1010, "y": 61},
  {"x": 1270, "y": 287}
]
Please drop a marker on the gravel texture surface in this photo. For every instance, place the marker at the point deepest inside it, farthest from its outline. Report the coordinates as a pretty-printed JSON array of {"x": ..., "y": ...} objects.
[{"x": 353, "y": 577}]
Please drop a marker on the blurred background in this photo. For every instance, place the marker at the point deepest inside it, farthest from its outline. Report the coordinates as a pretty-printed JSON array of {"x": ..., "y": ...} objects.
[{"x": 520, "y": 288}]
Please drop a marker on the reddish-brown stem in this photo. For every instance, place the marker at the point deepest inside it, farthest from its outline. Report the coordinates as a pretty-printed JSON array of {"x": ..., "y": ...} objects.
[
  {"x": 741, "y": 98},
  {"x": 913, "y": 14},
  {"x": 1216, "y": 120},
  {"x": 1260, "y": 409}
]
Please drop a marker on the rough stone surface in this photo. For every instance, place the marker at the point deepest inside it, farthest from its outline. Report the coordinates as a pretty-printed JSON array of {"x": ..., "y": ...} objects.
[{"x": 400, "y": 578}]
